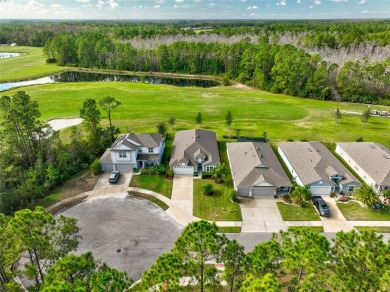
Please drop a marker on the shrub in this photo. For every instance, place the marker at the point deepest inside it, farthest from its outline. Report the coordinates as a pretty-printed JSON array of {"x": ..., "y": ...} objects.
[
  {"x": 332, "y": 195},
  {"x": 208, "y": 189},
  {"x": 159, "y": 169},
  {"x": 234, "y": 197},
  {"x": 360, "y": 139},
  {"x": 96, "y": 167},
  {"x": 225, "y": 81},
  {"x": 135, "y": 169},
  {"x": 207, "y": 174},
  {"x": 147, "y": 171},
  {"x": 51, "y": 61},
  {"x": 286, "y": 198},
  {"x": 170, "y": 173}
]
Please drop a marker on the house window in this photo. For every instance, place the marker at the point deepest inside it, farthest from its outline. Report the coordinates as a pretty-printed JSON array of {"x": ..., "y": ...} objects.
[
  {"x": 139, "y": 150},
  {"x": 122, "y": 154},
  {"x": 150, "y": 150},
  {"x": 351, "y": 188}
]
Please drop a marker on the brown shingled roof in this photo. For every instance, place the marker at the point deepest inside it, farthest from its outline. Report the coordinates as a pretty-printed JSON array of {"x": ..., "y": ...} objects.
[
  {"x": 191, "y": 144},
  {"x": 255, "y": 163}
]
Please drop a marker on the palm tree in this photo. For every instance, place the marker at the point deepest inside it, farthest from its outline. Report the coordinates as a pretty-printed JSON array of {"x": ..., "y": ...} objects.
[
  {"x": 366, "y": 194},
  {"x": 299, "y": 194}
]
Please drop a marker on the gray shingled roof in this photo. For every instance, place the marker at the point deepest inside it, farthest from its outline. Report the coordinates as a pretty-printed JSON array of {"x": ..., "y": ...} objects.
[
  {"x": 313, "y": 162},
  {"x": 145, "y": 140},
  {"x": 255, "y": 163},
  {"x": 191, "y": 144},
  {"x": 374, "y": 158}
]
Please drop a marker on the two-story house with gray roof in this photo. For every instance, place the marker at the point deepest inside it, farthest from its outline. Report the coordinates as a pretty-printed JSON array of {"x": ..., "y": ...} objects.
[
  {"x": 256, "y": 170},
  {"x": 194, "y": 151},
  {"x": 370, "y": 160},
  {"x": 133, "y": 150},
  {"x": 312, "y": 165}
]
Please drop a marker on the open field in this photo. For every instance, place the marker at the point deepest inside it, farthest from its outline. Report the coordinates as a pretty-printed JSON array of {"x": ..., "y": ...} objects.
[
  {"x": 254, "y": 111},
  {"x": 354, "y": 212},
  {"x": 28, "y": 66}
]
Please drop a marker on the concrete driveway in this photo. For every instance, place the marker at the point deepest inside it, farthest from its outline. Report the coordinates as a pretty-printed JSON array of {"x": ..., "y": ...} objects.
[
  {"x": 181, "y": 206},
  {"x": 126, "y": 233},
  {"x": 119, "y": 187},
  {"x": 261, "y": 215},
  {"x": 337, "y": 221}
]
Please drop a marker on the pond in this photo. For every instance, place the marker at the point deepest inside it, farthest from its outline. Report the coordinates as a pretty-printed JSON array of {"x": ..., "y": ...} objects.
[
  {"x": 10, "y": 55},
  {"x": 71, "y": 76}
]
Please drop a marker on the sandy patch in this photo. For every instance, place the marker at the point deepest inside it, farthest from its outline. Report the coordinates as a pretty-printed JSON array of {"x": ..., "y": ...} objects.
[
  {"x": 58, "y": 124},
  {"x": 241, "y": 86},
  {"x": 210, "y": 95}
]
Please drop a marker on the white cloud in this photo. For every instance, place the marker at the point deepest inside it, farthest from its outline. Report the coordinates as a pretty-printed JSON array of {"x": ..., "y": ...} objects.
[
  {"x": 365, "y": 12},
  {"x": 156, "y": 6},
  {"x": 317, "y": 2},
  {"x": 159, "y": 1},
  {"x": 110, "y": 3},
  {"x": 338, "y": 0},
  {"x": 113, "y": 4},
  {"x": 243, "y": 0},
  {"x": 83, "y": 1},
  {"x": 211, "y": 5},
  {"x": 362, "y": 2},
  {"x": 299, "y": 1},
  {"x": 33, "y": 3},
  {"x": 56, "y": 6},
  {"x": 179, "y": 1},
  {"x": 252, "y": 7},
  {"x": 281, "y": 3},
  {"x": 311, "y": 6}
]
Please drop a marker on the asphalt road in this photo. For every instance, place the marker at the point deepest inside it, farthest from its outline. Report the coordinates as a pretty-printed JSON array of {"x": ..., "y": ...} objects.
[{"x": 126, "y": 233}]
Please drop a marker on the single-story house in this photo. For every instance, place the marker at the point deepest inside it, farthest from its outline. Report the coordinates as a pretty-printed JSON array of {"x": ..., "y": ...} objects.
[
  {"x": 133, "y": 151},
  {"x": 312, "y": 165},
  {"x": 370, "y": 160},
  {"x": 194, "y": 151},
  {"x": 256, "y": 170}
]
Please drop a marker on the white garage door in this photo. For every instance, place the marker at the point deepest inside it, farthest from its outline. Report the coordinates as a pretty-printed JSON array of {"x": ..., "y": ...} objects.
[
  {"x": 320, "y": 190},
  {"x": 263, "y": 191},
  {"x": 183, "y": 170}
]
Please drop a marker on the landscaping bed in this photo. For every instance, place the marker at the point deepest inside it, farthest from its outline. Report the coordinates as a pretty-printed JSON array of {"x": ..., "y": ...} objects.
[
  {"x": 155, "y": 183},
  {"x": 217, "y": 207},
  {"x": 352, "y": 211},
  {"x": 150, "y": 198},
  {"x": 292, "y": 212}
]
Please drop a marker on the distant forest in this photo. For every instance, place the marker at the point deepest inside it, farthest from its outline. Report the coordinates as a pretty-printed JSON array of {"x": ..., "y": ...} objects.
[{"x": 327, "y": 60}]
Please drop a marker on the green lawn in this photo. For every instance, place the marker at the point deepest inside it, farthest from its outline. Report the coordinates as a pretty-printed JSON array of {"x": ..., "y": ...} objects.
[
  {"x": 381, "y": 229},
  {"x": 254, "y": 111},
  {"x": 29, "y": 66},
  {"x": 229, "y": 229},
  {"x": 354, "y": 212},
  {"x": 291, "y": 212},
  {"x": 311, "y": 228},
  {"x": 155, "y": 183},
  {"x": 217, "y": 207}
]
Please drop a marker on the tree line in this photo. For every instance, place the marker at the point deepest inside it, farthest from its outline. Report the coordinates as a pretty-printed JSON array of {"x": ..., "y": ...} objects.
[
  {"x": 298, "y": 259},
  {"x": 311, "y": 33},
  {"x": 271, "y": 67},
  {"x": 34, "y": 159}
]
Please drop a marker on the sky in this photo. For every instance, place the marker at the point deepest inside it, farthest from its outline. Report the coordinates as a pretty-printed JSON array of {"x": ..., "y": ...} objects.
[{"x": 194, "y": 9}]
